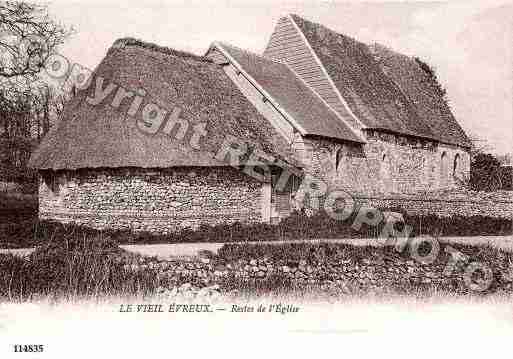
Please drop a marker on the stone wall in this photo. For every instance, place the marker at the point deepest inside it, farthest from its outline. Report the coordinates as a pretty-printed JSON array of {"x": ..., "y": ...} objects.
[
  {"x": 387, "y": 163},
  {"x": 391, "y": 171},
  {"x": 151, "y": 200},
  {"x": 448, "y": 203},
  {"x": 377, "y": 269}
]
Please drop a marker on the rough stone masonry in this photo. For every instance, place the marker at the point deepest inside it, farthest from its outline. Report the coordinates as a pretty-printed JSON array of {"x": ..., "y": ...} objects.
[{"x": 151, "y": 200}]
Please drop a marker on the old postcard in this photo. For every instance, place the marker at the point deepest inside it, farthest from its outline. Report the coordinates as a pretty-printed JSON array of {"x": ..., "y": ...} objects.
[{"x": 256, "y": 179}]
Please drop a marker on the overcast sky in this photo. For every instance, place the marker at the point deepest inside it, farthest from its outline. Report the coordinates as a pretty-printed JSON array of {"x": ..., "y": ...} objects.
[{"x": 468, "y": 43}]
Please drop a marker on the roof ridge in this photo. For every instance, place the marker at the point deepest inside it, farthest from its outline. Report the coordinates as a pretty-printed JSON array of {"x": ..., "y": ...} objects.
[
  {"x": 267, "y": 58},
  {"x": 130, "y": 41},
  {"x": 327, "y": 28},
  {"x": 325, "y": 72}
]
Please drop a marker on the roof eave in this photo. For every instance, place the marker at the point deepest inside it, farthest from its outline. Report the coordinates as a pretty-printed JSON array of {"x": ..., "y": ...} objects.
[
  {"x": 434, "y": 139},
  {"x": 357, "y": 141}
]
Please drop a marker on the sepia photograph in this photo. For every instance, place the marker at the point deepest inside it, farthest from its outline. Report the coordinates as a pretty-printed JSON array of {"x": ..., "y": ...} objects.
[{"x": 243, "y": 179}]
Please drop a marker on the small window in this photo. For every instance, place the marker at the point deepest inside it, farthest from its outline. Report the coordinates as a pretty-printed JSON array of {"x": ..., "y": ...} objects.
[
  {"x": 456, "y": 166},
  {"x": 338, "y": 159},
  {"x": 444, "y": 175},
  {"x": 51, "y": 181}
]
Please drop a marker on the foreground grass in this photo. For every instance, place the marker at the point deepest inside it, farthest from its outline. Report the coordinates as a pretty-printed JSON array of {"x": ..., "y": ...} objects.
[
  {"x": 77, "y": 262},
  {"x": 95, "y": 267},
  {"x": 65, "y": 268}
]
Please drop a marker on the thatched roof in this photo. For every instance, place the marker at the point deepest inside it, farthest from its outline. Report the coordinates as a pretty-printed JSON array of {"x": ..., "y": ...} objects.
[
  {"x": 384, "y": 90},
  {"x": 102, "y": 136},
  {"x": 297, "y": 98},
  {"x": 422, "y": 91}
]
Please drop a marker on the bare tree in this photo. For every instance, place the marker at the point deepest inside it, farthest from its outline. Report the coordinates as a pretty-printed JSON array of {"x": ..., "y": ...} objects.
[
  {"x": 27, "y": 37},
  {"x": 47, "y": 107},
  {"x": 28, "y": 106}
]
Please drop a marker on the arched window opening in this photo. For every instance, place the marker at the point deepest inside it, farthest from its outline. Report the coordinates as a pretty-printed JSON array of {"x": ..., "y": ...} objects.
[
  {"x": 51, "y": 181},
  {"x": 443, "y": 170},
  {"x": 456, "y": 166},
  {"x": 338, "y": 159}
]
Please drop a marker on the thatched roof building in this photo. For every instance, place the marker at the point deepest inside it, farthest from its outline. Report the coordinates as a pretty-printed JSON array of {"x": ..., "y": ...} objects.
[{"x": 145, "y": 144}]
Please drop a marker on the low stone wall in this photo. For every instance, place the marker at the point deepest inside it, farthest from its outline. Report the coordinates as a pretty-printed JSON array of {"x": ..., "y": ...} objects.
[
  {"x": 356, "y": 274},
  {"x": 146, "y": 200},
  {"x": 447, "y": 204}
]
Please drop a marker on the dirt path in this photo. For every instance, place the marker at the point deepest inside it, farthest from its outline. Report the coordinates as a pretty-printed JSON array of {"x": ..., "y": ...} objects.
[{"x": 166, "y": 251}]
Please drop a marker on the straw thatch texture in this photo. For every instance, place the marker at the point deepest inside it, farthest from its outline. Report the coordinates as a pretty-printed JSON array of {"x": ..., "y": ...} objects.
[
  {"x": 420, "y": 89},
  {"x": 386, "y": 92},
  {"x": 105, "y": 137}
]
